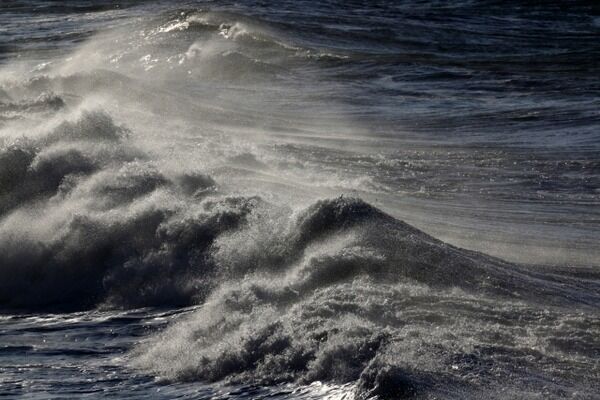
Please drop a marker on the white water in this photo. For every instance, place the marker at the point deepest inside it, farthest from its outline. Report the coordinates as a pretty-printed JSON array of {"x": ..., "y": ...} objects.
[{"x": 205, "y": 158}]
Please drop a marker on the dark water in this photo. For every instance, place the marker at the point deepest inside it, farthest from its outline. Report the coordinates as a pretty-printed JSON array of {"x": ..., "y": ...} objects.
[{"x": 388, "y": 199}]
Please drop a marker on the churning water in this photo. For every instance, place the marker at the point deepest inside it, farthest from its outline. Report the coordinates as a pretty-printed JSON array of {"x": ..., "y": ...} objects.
[{"x": 299, "y": 200}]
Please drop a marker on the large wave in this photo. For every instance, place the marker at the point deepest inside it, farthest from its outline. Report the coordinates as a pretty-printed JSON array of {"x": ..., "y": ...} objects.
[
  {"x": 95, "y": 211},
  {"x": 346, "y": 293},
  {"x": 89, "y": 219},
  {"x": 338, "y": 291},
  {"x": 121, "y": 187}
]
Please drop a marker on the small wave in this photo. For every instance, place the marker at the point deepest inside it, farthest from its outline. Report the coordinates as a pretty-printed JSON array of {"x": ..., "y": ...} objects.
[{"x": 45, "y": 102}]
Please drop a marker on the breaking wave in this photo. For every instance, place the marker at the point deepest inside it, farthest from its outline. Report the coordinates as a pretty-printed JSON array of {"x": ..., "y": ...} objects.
[
  {"x": 136, "y": 173},
  {"x": 112, "y": 228},
  {"x": 346, "y": 293},
  {"x": 338, "y": 291}
]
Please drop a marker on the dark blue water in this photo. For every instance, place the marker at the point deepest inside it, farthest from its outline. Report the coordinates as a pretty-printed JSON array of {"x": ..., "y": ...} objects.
[{"x": 388, "y": 199}]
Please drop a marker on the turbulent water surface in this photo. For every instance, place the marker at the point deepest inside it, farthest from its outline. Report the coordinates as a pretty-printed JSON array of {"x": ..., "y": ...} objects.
[{"x": 299, "y": 200}]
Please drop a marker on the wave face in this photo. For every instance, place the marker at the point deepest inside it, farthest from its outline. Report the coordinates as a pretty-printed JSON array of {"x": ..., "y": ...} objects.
[
  {"x": 240, "y": 200},
  {"x": 351, "y": 294}
]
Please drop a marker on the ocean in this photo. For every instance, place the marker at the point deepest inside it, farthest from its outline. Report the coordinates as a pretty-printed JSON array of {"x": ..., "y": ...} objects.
[{"x": 300, "y": 199}]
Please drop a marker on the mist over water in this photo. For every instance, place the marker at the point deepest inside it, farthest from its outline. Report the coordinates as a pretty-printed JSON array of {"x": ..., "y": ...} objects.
[{"x": 299, "y": 200}]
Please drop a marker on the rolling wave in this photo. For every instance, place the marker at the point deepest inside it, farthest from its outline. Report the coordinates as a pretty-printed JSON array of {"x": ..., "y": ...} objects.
[{"x": 282, "y": 175}]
